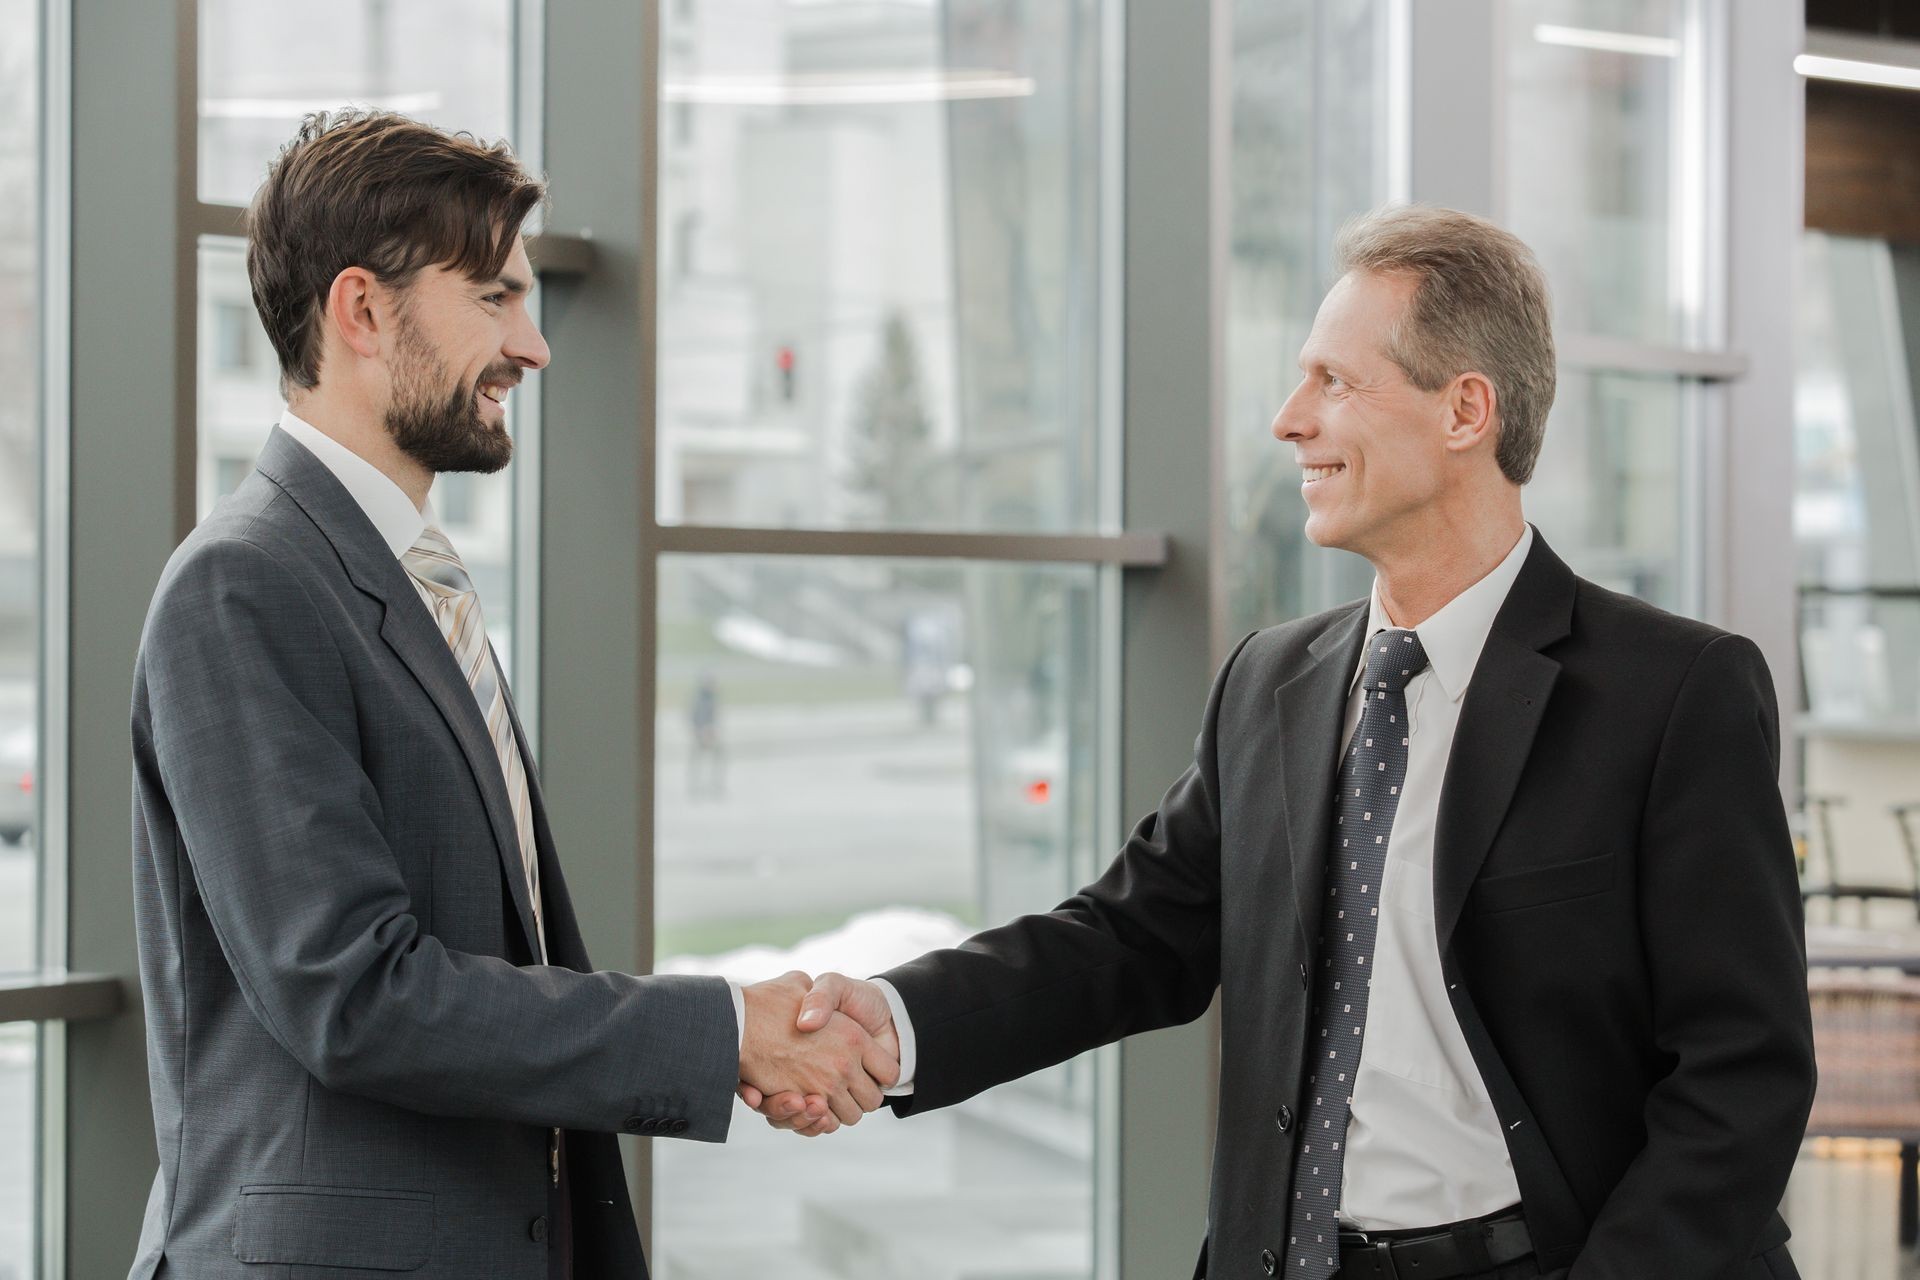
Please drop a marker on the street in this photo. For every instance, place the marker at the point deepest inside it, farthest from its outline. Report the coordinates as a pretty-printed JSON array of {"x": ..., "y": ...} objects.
[{"x": 825, "y": 810}]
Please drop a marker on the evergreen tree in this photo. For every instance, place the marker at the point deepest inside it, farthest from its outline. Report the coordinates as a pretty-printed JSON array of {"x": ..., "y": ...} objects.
[{"x": 892, "y": 464}]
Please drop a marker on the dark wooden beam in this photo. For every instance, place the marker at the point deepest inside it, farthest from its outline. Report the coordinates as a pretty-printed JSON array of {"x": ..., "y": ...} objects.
[{"x": 1863, "y": 161}]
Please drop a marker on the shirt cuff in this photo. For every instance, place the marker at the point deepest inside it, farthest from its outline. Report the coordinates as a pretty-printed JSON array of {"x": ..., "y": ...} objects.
[
  {"x": 902, "y": 1027},
  {"x": 739, "y": 1015}
]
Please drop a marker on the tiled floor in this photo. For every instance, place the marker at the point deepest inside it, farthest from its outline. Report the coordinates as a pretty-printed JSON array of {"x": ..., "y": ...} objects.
[{"x": 1842, "y": 1206}]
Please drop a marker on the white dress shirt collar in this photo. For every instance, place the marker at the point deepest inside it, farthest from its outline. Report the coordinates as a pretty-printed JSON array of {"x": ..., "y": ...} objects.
[
  {"x": 1454, "y": 637},
  {"x": 386, "y": 504}
]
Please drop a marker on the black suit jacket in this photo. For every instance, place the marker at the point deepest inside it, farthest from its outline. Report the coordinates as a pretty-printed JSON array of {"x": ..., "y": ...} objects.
[{"x": 1618, "y": 915}]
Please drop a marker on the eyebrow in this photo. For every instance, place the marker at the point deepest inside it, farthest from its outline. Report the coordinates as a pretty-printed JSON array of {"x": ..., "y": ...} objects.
[{"x": 512, "y": 284}]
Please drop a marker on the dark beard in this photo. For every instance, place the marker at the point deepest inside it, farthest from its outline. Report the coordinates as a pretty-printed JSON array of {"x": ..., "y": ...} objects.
[{"x": 442, "y": 430}]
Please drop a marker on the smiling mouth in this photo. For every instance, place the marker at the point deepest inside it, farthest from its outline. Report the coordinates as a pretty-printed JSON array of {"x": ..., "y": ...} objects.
[
  {"x": 1313, "y": 475},
  {"x": 495, "y": 391}
]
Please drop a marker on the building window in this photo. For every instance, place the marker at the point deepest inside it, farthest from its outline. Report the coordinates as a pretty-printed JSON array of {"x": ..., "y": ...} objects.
[
  {"x": 892, "y": 320},
  {"x": 858, "y": 172},
  {"x": 25, "y": 436},
  {"x": 233, "y": 330},
  {"x": 1608, "y": 134}
]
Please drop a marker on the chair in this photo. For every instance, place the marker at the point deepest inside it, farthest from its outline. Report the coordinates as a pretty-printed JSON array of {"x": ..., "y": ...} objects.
[
  {"x": 1866, "y": 1037},
  {"x": 1819, "y": 809}
]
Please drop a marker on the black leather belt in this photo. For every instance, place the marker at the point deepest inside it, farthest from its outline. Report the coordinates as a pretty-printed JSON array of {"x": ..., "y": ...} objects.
[{"x": 1458, "y": 1250}]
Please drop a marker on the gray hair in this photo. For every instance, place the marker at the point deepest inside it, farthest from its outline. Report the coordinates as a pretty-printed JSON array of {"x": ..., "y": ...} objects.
[{"x": 1479, "y": 305}]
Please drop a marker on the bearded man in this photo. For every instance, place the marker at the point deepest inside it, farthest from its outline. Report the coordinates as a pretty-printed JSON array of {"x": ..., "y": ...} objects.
[{"x": 375, "y": 1041}]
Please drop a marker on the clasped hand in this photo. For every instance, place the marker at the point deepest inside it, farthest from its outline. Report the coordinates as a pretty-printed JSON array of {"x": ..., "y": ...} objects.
[{"x": 817, "y": 1054}]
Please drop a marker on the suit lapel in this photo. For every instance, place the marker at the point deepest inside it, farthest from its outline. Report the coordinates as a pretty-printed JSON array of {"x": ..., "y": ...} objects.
[
  {"x": 1505, "y": 702},
  {"x": 410, "y": 631},
  {"x": 1312, "y": 710},
  {"x": 415, "y": 637}
]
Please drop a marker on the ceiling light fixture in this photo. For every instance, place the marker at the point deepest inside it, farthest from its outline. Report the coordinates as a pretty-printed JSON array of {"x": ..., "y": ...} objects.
[
  {"x": 295, "y": 108},
  {"x": 1835, "y": 55},
  {"x": 836, "y": 89},
  {"x": 1607, "y": 41}
]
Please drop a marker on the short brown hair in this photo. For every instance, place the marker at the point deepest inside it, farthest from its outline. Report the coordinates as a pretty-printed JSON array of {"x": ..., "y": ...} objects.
[
  {"x": 376, "y": 190},
  {"x": 1479, "y": 305}
]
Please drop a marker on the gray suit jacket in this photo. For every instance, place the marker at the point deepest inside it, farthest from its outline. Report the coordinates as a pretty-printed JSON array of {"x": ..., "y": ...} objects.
[{"x": 354, "y": 1059}]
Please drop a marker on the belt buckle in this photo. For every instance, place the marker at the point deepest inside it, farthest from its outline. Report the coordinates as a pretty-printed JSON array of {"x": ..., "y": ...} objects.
[{"x": 1381, "y": 1252}]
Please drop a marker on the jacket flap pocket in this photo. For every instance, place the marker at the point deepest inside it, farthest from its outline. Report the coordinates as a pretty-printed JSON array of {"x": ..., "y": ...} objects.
[
  {"x": 1539, "y": 886},
  {"x": 335, "y": 1227}
]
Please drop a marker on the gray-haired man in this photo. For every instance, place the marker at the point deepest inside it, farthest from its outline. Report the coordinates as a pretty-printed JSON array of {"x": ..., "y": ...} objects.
[{"x": 1490, "y": 871}]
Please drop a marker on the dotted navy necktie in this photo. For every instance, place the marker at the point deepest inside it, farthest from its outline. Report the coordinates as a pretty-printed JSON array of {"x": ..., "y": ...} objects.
[{"x": 1371, "y": 777}]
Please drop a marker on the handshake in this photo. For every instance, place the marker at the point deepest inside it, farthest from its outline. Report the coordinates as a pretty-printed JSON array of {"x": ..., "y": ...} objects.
[{"x": 817, "y": 1054}]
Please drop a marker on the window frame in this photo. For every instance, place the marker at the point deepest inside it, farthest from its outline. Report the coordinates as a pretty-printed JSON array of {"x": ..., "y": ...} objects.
[{"x": 1131, "y": 553}]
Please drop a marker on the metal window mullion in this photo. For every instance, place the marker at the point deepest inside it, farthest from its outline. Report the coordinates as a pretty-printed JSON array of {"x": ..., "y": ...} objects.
[
  {"x": 1703, "y": 504},
  {"x": 1457, "y": 147},
  {"x": 50, "y": 1061},
  {"x": 596, "y": 644},
  {"x": 130, "y": 482},
  {"x": 55, "y": 482},
  {"x": 1177, "y": 145},
  {"x": 53, "y": 701},
  {"x": 1604, "y": 353},
  {"x": 1127, "y": 550},
  {"x": 524, "y": 516},
  {"x": 647, "y": 586},
  {"x": 187, "y": 208},
  {"x": 1108, "y": 814},
  {"x": 75, "y": 997}
]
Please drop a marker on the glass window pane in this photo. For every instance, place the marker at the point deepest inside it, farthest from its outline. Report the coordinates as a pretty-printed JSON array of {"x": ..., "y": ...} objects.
[
  {"x": 880, "y": 248},
  {"x": 1605, "y": 169},
  {"x": 1856, "y": 509},
  {"x": 19, "y": 1149},
  {"x": 1856, "y": 515},
  {"x": 857, "y": 761},
  {"x": 1310, "y": 149},
  {"x": 264, "y": 66},
  {"x": 20, "y": 470},
  {"x": 240, "y": 403},
  {"x": 1609, "y": 493}
]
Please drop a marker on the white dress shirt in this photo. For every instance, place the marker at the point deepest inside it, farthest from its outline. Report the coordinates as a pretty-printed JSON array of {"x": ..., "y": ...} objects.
[
  {"x": 399, "y": 524},
  {"x": 1424, "y": 1145}
]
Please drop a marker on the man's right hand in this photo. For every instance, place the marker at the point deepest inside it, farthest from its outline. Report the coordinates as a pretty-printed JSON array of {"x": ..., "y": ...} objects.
[
  {"x": 796, "y": 1046},
  {"x": 835, "y": 998}
]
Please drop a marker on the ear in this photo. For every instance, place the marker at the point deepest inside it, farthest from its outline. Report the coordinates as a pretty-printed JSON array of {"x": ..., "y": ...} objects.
[
  {"x": 1472, "y": 413},
  {"x": 359, "y": 311}
]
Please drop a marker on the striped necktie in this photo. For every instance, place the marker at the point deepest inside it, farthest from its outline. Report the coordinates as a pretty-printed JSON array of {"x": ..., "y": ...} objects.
[
  {"x": 448, "y": 593},
  {"x": 1371, "y": 776}
]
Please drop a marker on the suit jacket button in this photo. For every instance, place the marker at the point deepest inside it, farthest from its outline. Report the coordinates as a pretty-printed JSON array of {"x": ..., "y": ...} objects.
[
  {"x": 679, "y": 1126},
  {"x": 634, "y": 1124},
  {"x": 1267, "y": 1261},
  {"x": 650, "y": 1125},
  {"x": 1284, "y": 1118},
  {"x": 537, "y": 1231}
]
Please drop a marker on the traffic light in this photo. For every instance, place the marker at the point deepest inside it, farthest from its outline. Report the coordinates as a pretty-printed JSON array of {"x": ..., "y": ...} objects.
[{"x": 783, "y": 360}]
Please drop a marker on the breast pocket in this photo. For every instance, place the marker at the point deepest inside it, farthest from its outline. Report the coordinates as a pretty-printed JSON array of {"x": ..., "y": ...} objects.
[
  {"x": 1543, "y": 886},
  {"x": 345, "y": 1227}
]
